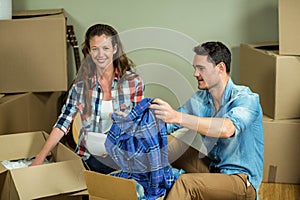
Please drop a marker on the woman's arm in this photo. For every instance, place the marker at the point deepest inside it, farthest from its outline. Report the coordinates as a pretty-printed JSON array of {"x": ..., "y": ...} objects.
[{"x": 55, "y": 136}]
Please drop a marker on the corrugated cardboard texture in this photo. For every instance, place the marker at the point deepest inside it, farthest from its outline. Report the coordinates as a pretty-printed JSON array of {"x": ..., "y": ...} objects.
[
  {"x": 33, "y": 53},
  {"x": 64, "y": 175},
  {"x": 28, "y": 112},
  {"x": 275, "y": 78},
  {"x": 289, "y": 27},
  {"x": 31, "y": 144},
  {"x": 112, "y": 188},
  {"x": 282, "y": 162}
]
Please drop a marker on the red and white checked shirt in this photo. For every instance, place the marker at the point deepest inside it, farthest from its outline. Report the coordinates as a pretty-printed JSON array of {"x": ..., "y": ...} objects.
[{"x": 127, "y": 92}]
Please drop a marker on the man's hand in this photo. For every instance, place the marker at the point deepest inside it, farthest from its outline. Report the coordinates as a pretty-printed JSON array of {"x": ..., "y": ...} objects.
[{"x": 165, "y": 112}]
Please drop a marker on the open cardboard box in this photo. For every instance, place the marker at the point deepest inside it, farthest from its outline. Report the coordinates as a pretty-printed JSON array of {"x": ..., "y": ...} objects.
[
  {"x": 274, "y": 77},
  {"x": 106, "y": 187},
  {"x": 33, "y": 52},
  {"x": 58, "y": 179}
]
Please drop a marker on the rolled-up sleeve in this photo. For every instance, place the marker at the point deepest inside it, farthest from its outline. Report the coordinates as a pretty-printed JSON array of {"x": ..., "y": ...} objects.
[{"x": 68, "y": 111}]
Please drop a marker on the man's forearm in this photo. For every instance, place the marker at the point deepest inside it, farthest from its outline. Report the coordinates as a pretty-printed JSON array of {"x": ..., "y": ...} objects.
[{"x": 213, "y": 127}]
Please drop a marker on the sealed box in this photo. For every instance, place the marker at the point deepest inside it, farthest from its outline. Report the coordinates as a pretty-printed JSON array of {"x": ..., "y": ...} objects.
[
  {"x": 289, "y": 27},
  {"x": 33, "y": 52},
  {"x": 63, "y": 175},
  {"x": 28, "y": 112},
  {"x": 274, "y": 77},
  {"x": 281, "y": 160}
]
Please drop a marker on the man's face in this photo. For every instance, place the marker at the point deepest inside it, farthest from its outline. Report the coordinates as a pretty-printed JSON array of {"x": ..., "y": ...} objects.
[{"x": 205, "y": 72}]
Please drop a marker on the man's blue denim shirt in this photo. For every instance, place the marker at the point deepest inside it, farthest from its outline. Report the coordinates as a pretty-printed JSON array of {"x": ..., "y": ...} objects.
[{"x": 244, "y": 151}]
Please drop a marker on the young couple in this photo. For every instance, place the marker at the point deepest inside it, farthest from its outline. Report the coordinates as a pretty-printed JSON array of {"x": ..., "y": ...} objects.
[{"x": 228, "y": 114}]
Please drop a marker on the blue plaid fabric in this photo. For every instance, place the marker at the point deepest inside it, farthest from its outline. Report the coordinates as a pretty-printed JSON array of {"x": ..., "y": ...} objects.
[{"x": 139, "y": 146}]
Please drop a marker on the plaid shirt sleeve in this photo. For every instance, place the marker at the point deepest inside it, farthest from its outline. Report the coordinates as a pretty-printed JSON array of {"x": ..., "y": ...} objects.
[
  {"x": 68, "y": 111},
  {"x": 138, "y": 94},
  {"x": 129, "y": 92}
]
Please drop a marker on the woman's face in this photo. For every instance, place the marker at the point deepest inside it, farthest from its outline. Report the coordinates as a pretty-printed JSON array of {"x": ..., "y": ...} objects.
[{"x": 102, "y": 51}]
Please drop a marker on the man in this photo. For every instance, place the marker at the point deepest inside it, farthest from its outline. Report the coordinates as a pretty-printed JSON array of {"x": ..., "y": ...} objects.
[{"x": 229, "y": 119}]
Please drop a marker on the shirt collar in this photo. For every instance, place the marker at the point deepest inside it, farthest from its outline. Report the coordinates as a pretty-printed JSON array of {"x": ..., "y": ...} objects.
[
  {"x": 94, "y": 79},
  {"x": 227, "y": 91},
  {"x": 226, "y": 95}
]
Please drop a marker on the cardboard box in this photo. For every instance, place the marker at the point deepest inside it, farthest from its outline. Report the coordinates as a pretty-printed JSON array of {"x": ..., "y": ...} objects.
[
  {"x": 289, "y": 27},
  {"x": 115, "y": 188},
  {"x": 33, "y": 52},
  {"x": 61, "y": 177},
  {"x": 282, "y": 162},
  {"x": 275, "y": 78},
  {"x": 28, "y": 112}
]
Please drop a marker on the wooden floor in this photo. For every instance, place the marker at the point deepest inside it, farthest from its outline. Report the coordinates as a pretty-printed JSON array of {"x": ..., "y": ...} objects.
[{"x": 276, "y": 191}]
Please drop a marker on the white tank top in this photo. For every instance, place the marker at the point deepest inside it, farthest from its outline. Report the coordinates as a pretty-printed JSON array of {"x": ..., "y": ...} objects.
[{"x": 106, "y": 109}]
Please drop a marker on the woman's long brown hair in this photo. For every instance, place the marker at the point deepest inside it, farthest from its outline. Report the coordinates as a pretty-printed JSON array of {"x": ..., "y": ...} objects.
[{"x": 120, "y": 61}]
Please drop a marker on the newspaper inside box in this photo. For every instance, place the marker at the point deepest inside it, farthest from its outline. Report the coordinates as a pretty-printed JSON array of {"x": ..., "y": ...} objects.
[{"x": 63, "y": 175}]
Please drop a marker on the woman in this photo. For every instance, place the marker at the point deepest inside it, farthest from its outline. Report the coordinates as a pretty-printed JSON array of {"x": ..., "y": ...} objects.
[{"x": 105, "y": 83}]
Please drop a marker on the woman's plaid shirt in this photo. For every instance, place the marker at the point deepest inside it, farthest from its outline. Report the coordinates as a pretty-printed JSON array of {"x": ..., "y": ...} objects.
[{"x": 127, "y": 92}]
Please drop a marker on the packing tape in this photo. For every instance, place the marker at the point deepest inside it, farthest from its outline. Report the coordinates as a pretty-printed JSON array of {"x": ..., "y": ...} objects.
[{"x": 272, "y": 174}]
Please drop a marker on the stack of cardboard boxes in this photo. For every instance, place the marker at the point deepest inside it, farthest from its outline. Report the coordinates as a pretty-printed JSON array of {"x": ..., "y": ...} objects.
[
  {"x": 273, "y": 71},
  {"x": 33, "y": 72}
]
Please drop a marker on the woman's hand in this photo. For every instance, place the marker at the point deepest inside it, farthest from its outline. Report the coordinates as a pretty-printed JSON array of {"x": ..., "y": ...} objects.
[
  {"x": 37, "y": 161},
  {"x": 120, "y": 113},
  {"x": 165, "y": 112},
  {"x": 104, "y": 155}
]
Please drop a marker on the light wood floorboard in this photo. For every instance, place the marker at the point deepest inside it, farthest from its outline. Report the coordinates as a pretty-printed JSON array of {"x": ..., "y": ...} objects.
[{"x": 276, "y": 191}]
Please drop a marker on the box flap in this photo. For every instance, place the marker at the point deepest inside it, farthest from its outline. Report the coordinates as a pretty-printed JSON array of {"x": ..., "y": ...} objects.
[
  {"x": 1, "y": 95},
  {"x": 35, "y": 13},
  {"x": 108, "y": 187},
  {"x": 62, "y": 153},
  {"x": 7, "y": 187},
  {"x": 269, "y": 48},
  {"x": 2, "y": 169},
  {"x": 21, "y": 145},
  {"x": 8, "y": 98},
  {"x": 49, "y": 179}
]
